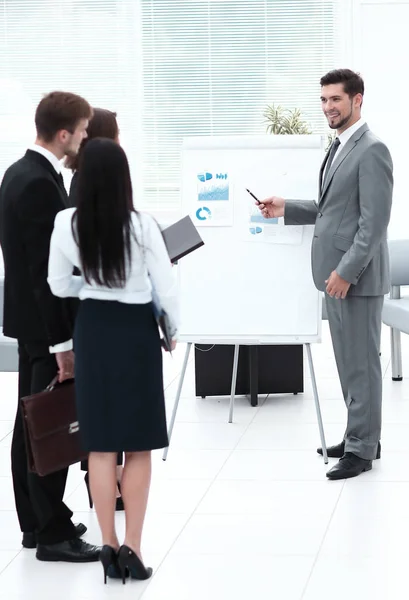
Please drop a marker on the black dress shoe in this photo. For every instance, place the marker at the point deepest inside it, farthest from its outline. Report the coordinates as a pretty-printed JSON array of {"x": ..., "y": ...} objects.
[
  {"x": 338, "y": 451},
  {"x": 349, "y": 465},
  {"x": 30, "y": 538},
  {"x": 80, "y": 529},
  {"x": 75, "y": 551}
]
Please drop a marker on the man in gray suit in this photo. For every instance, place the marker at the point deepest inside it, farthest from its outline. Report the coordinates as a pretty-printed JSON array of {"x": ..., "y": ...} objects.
[{"x": 350, "y": 261}]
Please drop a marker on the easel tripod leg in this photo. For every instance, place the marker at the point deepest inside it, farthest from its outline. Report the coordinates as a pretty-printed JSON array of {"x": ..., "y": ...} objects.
[
  {"x": 233, "y": 381},
  {"x": 317, "y": 403},
  {"x": 178, "y": 393}
]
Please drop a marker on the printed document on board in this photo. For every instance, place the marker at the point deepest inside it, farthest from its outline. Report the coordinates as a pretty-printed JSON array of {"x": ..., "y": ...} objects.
[{"x": 213, "y": 204}]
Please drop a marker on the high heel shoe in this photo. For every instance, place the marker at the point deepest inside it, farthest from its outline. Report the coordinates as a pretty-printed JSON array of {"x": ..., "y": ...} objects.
[
  {"x": 109, "y": 559},
  {"x": 129, "y": 562},
  {"x": 119, "y": 502}
]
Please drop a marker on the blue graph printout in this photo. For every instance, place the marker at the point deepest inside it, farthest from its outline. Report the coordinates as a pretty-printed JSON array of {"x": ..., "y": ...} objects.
[
  {"x": 212, "y": 187},
  {"x": 214, "y": 202}
]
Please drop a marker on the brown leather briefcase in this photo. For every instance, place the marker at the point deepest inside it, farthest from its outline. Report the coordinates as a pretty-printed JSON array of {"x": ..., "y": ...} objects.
[{"x": 52, "y": 429}]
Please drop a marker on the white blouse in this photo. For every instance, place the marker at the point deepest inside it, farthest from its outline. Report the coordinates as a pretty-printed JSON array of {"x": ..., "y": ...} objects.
[{"x": 148, "y": 254}]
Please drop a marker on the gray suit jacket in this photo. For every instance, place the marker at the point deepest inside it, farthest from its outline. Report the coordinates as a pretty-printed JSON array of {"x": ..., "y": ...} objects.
[{"x": 351, "y": 217}]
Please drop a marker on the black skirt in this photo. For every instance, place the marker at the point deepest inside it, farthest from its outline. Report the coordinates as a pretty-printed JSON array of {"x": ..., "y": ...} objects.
[{"x": 119, "y": 378}]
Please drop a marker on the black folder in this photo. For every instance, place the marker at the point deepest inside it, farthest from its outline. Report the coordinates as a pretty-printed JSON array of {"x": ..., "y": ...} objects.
[{"x": 181, "y": 238}]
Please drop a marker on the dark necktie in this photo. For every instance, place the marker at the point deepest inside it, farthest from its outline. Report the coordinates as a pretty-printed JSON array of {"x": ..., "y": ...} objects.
[
  {"x": 332, "y": 152},
  {"x": 61, "y": 180}
]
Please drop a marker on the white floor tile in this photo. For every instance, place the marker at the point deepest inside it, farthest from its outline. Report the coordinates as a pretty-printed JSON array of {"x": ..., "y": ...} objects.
[
  {"x": 160, "y": 531},
  {"x": 9, "y": 387},
  {"x": 6, "y": 429},
  {"x": 370, "y": 536},
  {"x": 288, "y": 436},
  {"x": 275, "y": 465},
  {"x": 180, "y": 496},
  {"x": 6, "y": 494},
  {"x": 325, "y": 368},
  {"x": 188, "y": 388},
  {"x": 395, "y": 437},
  {"x": 300, "y": 409},
  {"x": 358, "y": 578},
  {"x": 10, "y": 537},
  {"x": 6, "y": 558},
  {"x": 328, "y": 389},
  {"x": 201, "y": 577},
  {"x": 214, "y": 436},
  {"x": 5, "y": 462},
  {"x": 213, "y": 409},
  {"x": 6, "y": 441},
  {"x": 27, "y": 577},
  {"x": 308, "y": 498},
  {"x": 194, "y": 464},
  {"x": 393, "y": 466},
  {"x": 243, "y": 510},
  {"x": 372, "y": 499},
  {"x": 277, "y": 533},
  {"x": 395, "y": 390}
]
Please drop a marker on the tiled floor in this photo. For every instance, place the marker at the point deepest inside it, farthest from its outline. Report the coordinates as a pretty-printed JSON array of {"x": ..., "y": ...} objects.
[{"x": 244, "y": 510}]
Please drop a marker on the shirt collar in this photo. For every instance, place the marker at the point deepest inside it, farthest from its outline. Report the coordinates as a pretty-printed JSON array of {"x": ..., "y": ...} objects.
[
  {"x": 48, "y": 155},
  {"x": 348, "y": 133}
]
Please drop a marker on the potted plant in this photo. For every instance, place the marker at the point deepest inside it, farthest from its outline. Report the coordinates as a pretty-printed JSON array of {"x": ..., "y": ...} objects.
[{"x": 283, "y": 121}]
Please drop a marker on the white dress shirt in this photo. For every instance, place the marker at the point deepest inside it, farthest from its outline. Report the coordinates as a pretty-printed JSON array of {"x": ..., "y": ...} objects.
[
  {"x": 48, "y": 155},
  {"x": 148, "y": 255},
  {"x": 64, "y": 346},
  {"x": 343, "y": 138},
  {"x": 347, "y": 134}
]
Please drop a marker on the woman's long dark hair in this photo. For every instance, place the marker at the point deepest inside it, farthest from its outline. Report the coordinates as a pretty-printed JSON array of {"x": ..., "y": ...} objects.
[{"x": 102, "y": 223}]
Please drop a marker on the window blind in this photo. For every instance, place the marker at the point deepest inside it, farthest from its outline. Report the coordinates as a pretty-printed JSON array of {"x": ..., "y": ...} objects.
[
  {"x": 210, "y": 67},
  {"x": 169, "y": 68},
  {"x": 89, "y": 47}
]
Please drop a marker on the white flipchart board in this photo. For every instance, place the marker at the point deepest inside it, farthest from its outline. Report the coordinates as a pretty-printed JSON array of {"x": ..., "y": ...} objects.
[{"x": 239, "y": 288}]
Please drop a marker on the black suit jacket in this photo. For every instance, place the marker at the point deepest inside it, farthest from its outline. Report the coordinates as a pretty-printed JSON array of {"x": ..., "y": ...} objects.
[
  {"x": 72, "y": 198},
  {"x": 31, "y": 195}
]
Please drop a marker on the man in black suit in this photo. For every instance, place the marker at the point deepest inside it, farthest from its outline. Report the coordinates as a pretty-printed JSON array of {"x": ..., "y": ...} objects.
[{"x": 31, "y": 194}]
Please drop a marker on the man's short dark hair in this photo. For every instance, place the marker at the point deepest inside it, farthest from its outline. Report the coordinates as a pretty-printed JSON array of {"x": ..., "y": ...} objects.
[
  {"x": 352, "y": 82},
  {"x": 60, "y": 110}
]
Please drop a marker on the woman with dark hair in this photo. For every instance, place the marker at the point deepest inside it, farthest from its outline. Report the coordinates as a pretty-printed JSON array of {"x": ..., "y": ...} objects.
[
  {"x": 103, "y": 124},
  {"x": 118, "y": 368}
]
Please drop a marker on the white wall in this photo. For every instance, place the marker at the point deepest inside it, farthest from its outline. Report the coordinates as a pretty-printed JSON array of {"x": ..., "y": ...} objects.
[{"x": 380, "y": 47}]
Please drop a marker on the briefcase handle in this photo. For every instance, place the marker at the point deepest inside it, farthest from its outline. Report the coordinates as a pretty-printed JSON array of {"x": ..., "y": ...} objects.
[{"x": 55, "y": 382}]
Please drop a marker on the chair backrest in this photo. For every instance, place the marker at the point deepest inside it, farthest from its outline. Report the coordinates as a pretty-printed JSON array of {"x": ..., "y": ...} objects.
[{"x": 399, "y": 261}]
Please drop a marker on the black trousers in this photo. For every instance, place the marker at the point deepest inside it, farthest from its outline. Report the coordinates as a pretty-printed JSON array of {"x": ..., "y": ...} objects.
[{"x": 39, "y": 500}]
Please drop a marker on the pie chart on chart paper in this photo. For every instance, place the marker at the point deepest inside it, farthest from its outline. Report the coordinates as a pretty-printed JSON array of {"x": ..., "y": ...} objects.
[
  {"x": 204, "y": 176},
  {"x": 256, "y": 230},
  {"x": 203, "y": 213}
]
